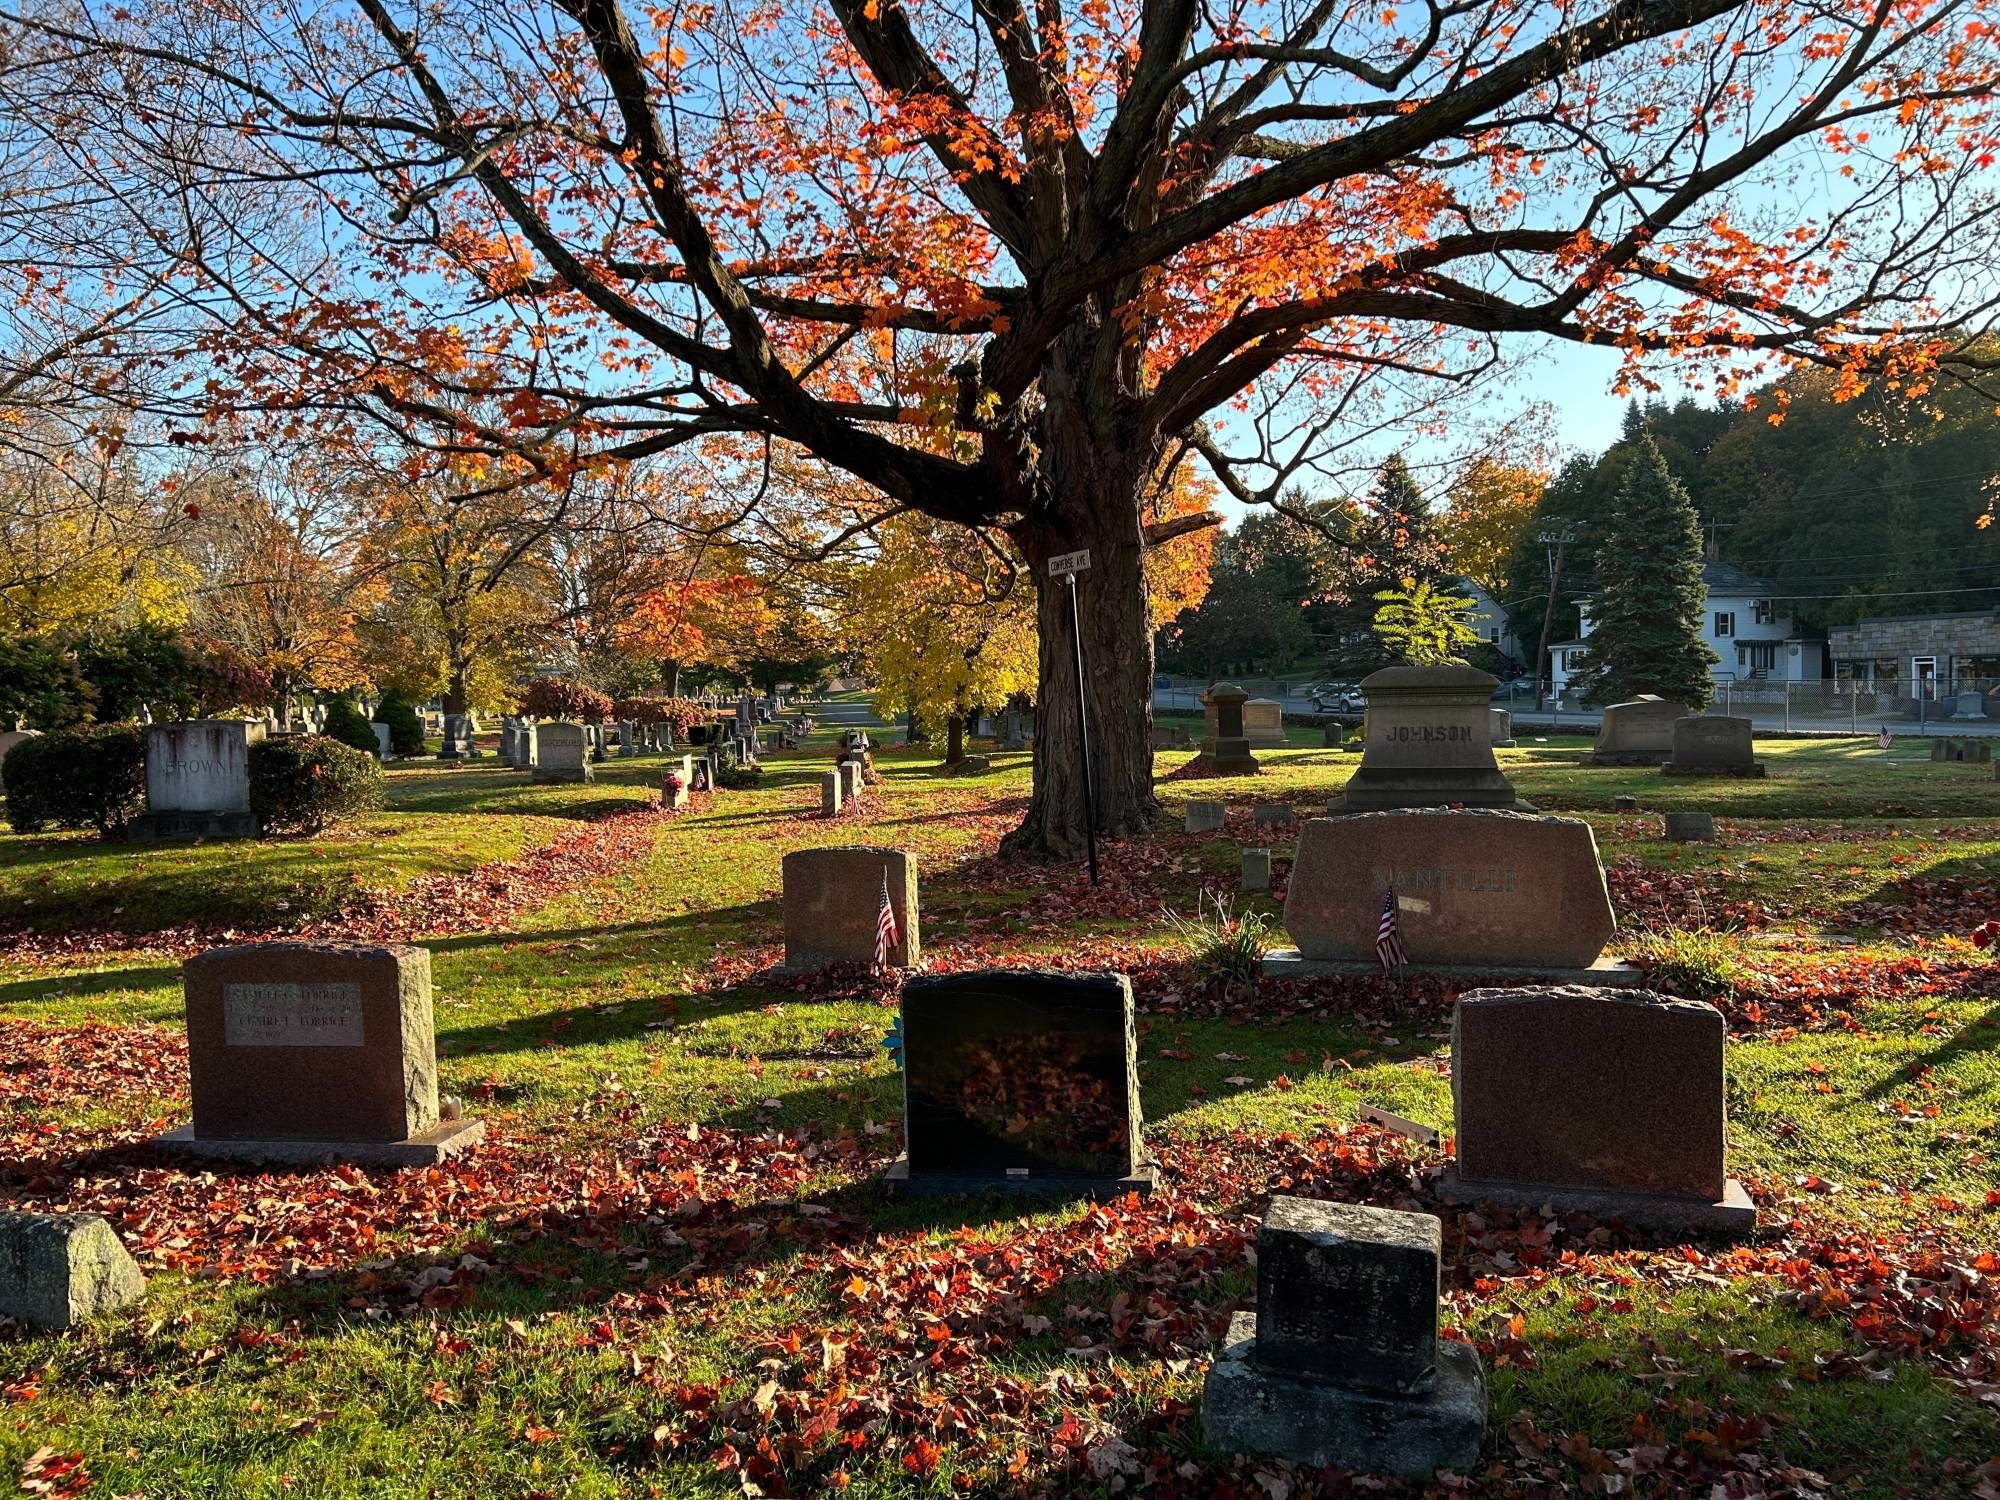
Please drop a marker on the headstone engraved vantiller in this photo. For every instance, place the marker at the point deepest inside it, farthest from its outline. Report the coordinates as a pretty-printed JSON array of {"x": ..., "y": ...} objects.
[
  {"x": 306, "y": 1052},
  {"x": 1020, "y": 1081},
  {"x": 1430, "y": 743},
  {"x": 1342, "y": 1363},
  {"x": 198, "y": 781},
  {"x": 1478, "y": 892},
  {"x": 1605, "y": 1101}
]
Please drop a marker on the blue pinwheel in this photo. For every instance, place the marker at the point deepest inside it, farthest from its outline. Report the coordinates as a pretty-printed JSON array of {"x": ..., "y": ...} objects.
[{"x": 892, "y": 1043}]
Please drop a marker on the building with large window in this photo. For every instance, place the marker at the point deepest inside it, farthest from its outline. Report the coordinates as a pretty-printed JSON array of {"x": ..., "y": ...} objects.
[
  {"x": 1751, "y": 632},
  {"x": 1926, "y": 656}
]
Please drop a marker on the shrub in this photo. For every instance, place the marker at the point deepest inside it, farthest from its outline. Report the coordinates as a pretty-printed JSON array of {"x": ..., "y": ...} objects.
[
  {"x": 406, "y": 730},
  {"x": 679, "y": 714},
  {"x": 88, "y": 777},
  {"x": 147, "y": 664},
  {"x": 303, "y": 783},
  {"x": 1699, "y": 962},
  {"x": 226, "y": 680},
  {"x": 346, "y": 723},
  {"x": 1228, "y": 950},
  {"x": 564, "y": 698},
  {"x": 738, "y": 778},
  {"x": 40, "y": 684}
]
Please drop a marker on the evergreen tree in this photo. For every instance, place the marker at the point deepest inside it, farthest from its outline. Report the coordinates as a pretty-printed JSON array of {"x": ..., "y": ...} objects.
[
  {"x": 1646, "y": 619},
  {"x": 1396, "y": 545}
]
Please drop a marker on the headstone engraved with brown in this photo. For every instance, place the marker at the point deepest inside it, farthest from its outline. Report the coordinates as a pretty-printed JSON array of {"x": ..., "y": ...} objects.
[
  {"x": 1713, "y": 745},
  {"x": 1342, "y": 1363},
  {"x": 198, "y": 781},
  {"x": 1020, "y": 1080},
  {"x": 1430, "y": 743},
  {"x": 1477, "y": 892},
  {"x": 1638, "y": 733},
  {"x": 1608, "y": 1102},
  {"x": 833, "y": 900},
  {"x": 311, "y": 1052}
]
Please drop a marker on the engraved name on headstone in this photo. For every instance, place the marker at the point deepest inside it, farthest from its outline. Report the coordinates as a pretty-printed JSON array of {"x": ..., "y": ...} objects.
[{"x": 292, "y": 1015}]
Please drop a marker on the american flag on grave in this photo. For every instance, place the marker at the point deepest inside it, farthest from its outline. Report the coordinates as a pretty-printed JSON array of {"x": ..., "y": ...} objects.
[
  {"x": 1388, "y": 944},
  {"x": 886, "y": 934}
]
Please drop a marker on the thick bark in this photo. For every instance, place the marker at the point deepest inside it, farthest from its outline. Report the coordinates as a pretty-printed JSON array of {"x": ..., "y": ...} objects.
[
  {"x": 1101, "y": 513},
  {"x": 954, "y": 739}
]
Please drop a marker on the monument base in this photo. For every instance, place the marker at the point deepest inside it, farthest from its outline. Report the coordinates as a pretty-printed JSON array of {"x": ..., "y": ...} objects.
[
  {"x": 442, "y": 1141},
  {"x": 1732, "y": 1214},
  {"x": 1246, "y": 1408},
  {"x": 1231, "y": 757},
  {"x": 555, "y": 775},
  {"x": 1289, "y": 963},
  {"x": 899, "y": 1180},
  {"x": 176, "y": 827},
  {"x": 1422, "y": 787},
  {"x": 1752, "y": 772}
]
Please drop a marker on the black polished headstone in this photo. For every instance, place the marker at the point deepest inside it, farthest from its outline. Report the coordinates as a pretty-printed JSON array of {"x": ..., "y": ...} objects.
[
  {"x": 1021, "y": 1079},
  {"x": 1348, "y": 1294}
]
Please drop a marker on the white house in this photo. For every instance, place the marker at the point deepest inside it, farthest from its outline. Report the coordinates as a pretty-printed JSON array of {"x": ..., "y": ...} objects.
[
  {"x": 1753, "y": 634},
  {"x": 1489, "y": 619}
]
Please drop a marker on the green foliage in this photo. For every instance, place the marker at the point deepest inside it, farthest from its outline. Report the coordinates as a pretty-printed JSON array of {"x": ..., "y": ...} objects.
[
  {"x": 1222, "y": 947},
  {"x": 305, "y": 782},
  {"x": 1425, "y": 627},
  {"x": 88, "y": 776},
  {"x": 1647, "y": 614},
  {"x": 564, "y": 698},
  {"x": 41, "y": 685},
  {"x": 345, "y": 722},
  {"x": 1695, "y": 961},
  {"x": 148, "y": 665},
  {"x": 406, "y": 730},
  {"x": 739, "y": 778}
]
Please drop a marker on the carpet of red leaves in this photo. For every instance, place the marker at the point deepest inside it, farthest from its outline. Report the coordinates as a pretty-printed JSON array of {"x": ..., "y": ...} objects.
[{"x": 924, "y": 1346}]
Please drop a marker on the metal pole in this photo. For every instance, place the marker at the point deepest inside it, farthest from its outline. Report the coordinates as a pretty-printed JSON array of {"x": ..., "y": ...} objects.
[{"x": 1083, "y": 735}]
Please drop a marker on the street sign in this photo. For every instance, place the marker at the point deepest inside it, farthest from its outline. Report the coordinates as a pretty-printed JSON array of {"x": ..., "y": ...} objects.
[{"x": 1070, "y": 562}]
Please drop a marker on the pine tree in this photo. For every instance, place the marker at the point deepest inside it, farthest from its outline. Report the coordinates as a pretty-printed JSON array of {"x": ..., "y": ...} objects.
[{"x": 1646, "y": 621}]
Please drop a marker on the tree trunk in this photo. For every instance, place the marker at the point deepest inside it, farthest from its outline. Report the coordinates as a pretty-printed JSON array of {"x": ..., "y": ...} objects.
[
  {"x": 1094, "y": 504},
  {"x": 954, "y": 739}
]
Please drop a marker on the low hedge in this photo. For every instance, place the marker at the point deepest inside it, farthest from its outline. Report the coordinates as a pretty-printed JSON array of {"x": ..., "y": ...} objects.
[
  {"x": 92, "y": 776},
  {"x": 306, "y": 782},
  {"x": 406, "y": 730}
]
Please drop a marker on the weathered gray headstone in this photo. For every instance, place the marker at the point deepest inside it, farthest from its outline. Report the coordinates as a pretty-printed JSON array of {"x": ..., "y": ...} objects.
[
  {"x": 833, "y": 898},
  {"x": 829, "y": 794},
  {"x": 1474, "y": 889},
  {"x": 58, "y": 1270},
  {"x": 1608, "y": 1102},
  {"x": 1639, "y": 733},
  {"x": 1429, "y": 743},
  {"x": 1021, "y": 1081},
  {"x": 562, "y": 753},
  {"x": 628, "y": 738},
  {"x": 850, "y": 780},
  {"x": 1501, "y": 728},
  {"x": 1205, "y": 817},
  {"x": 1624, "y": 802},
  {"x": 1256, "y": 870},
  {"x": 1273, "y": 815},
  {"x": 1264, "y": 723},
  {"x": 198, "y": 780},
  {"x": 381, "y": 741},
  {"x": 1713, "y": 745},
  {"x": 1336, "y": 736},
  {"x": 310, "y": 1051},
  {"x": 1969, "y": 706},
  {"x": 453, "y": 747},
  {"x": 1690, "y": 827},
  {"x": 1342, "y": 1363}
]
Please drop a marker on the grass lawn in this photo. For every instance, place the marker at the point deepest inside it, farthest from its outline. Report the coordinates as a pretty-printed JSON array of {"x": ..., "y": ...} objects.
[{"x": 669, "y": 1271}]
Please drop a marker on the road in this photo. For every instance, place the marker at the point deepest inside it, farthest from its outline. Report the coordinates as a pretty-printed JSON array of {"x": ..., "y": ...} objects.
[{"x": 1579, "y": 720}]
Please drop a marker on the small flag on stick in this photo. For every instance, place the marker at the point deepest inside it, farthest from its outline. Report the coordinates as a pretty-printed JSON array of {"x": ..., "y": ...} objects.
[
  {"x": 1388, "y": 946},
  {"x": 1885, "y": 739},
  {"x": 885, "y": 926}
]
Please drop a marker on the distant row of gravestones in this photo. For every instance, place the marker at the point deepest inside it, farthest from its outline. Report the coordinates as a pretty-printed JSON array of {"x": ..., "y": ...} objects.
[{"x": 1022, "y": 1081}]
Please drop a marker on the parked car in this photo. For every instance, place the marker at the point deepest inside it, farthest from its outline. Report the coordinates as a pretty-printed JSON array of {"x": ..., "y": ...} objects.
[
  {"x": 1517, "y": 687},
  {"x": 1341, "y": 701}
]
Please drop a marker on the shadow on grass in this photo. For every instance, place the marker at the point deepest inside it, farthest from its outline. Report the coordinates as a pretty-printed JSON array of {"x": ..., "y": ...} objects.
[{"x": 70, "y": 986}]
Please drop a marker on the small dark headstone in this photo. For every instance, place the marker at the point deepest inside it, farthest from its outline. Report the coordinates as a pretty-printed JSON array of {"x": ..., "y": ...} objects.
[
  {"x": 1273, "y": 815},
  {"x": 1690, "y": 828},
  {"x": 1625, "y": 802},
  {"x": 1020, "y": 1080},
  {"x": 1341, "y": 1363},
  {"x": 1205, "y": 817},
  {"x": 1256, "y": 870},
  {"x": 1232, "y": 746}
]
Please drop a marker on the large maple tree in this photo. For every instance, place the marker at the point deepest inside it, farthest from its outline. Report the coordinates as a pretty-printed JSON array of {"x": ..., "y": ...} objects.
[{"x": 1007, "y": 264}]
